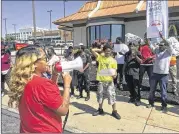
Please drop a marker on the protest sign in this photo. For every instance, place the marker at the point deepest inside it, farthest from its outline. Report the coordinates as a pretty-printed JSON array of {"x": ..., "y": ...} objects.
[{"x": 157, "y": 18}]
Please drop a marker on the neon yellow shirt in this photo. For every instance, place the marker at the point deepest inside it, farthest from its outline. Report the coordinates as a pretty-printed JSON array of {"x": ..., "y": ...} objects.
[{"x": 105, "y": 63}]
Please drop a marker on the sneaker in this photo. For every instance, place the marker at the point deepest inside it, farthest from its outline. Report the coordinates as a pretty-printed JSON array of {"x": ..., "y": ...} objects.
[
  {"x": 79, "y": 97},
  {"x": 2, "y": 94},
  {"x": 164, "y": 109},
  {"x": 175, "y": 93},
  {"x": 150, "y": 105},
  {"x": 121, "y": 87},
  {"x": 98, "y": 112},
  {"x": 137, "y": 103},
  {"x": 72, "y": 96},
  {"x": 87, "y": 98},
  {"x": 131, "y": 100},
  {"x": 116, "y": 115}
]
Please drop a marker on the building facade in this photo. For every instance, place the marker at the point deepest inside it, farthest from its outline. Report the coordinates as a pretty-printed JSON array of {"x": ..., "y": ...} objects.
[
  {"x": 26, "y": 33},
  {"x": 16, "y": 36},
  {"x": 99, "y": 20}
]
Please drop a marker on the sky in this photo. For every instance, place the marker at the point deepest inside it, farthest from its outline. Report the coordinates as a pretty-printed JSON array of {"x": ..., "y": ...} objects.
[{"x": 20, "y": 13}]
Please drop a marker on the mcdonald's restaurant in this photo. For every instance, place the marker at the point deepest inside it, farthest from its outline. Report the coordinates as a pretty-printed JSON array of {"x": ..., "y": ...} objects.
[{"x": 99, "y": 20}]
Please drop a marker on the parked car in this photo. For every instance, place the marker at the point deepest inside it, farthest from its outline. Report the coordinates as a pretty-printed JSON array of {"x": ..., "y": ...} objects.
[{"x": 59, "y": 42}]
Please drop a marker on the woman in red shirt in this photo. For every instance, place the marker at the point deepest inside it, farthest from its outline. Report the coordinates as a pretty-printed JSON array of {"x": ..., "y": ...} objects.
[{"x": 39, "y": 100}]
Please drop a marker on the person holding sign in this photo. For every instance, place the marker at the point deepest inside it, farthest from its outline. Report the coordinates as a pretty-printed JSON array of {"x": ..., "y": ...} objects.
[
  {"x": 160, "y": 71},
  {"x": 105, "y": 75},
  {"x": 120, "y": 50},
  {"x": 131, "y": 70}
]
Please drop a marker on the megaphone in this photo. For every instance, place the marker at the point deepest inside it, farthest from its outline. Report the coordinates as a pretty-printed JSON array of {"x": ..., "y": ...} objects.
[{"x": 67, "y": 66}]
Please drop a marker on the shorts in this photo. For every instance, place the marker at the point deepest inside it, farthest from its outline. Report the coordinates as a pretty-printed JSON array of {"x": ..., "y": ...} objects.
[{"x": 106, "y": 90}]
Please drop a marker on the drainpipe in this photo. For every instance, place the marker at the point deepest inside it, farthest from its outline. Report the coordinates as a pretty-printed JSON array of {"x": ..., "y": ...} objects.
[{"x": 139, "y": 6}]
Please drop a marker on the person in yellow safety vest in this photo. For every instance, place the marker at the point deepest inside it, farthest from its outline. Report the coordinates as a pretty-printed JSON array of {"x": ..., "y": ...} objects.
[{"x": 173, "y": 74}]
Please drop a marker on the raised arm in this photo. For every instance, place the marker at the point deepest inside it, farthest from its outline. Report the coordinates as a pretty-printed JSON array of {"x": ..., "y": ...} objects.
[
  {"x": 168, "y": 44},
  {"x": 95, "y": 52}
]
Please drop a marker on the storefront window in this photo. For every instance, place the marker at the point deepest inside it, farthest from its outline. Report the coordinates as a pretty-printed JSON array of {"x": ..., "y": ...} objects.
[
  {"x": 92, "y": 34},
  {"x": 97, "y": 32},
  {"x": 116, "y": 32},
  {"x": 105, "y": 32}
]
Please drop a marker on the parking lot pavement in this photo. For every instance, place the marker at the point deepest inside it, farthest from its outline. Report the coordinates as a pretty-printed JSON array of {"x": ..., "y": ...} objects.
[{"x": 10, "y": 122}]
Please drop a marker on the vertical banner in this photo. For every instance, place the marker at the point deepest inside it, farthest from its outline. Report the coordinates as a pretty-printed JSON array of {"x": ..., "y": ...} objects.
[{"x": 157, "y": 18}]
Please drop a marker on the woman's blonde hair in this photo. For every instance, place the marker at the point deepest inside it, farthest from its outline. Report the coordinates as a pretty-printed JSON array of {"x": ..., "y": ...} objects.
[{"x": 22, "y": 71}]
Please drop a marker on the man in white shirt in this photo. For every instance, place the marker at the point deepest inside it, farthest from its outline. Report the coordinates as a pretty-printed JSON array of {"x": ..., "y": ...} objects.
[
  {"x": 160, "y": 72},
  {"x": 123, "y": 49}
]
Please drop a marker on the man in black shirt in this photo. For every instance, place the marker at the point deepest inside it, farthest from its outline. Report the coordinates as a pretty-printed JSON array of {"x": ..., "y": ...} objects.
[
  {"x": 83, "y": 76},
  {"x": 132, "y": 64}
]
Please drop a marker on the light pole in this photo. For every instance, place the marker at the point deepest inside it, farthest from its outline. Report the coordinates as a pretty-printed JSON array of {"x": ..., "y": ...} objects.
[
  {"x": 34, "y": 21},
  {"x": 5, "y": 19},
  {"x": 50, "y": 11},
  {"x": 64, "y": 17},
  {"x": 14, "y": 30}
]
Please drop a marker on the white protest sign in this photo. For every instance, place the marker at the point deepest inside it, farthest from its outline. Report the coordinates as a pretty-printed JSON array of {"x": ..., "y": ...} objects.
[
  {"x": 133, "y": 38},
  {"x": 107, "y": 72},
  {"x": 117, "y": 48},
  {"x": 157, "y": 18}
]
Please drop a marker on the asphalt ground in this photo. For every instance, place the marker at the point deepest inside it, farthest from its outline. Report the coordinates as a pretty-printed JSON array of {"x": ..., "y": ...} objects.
[
  {"x": 10, "y": 122},
  {"x": 171, "y": 99}
]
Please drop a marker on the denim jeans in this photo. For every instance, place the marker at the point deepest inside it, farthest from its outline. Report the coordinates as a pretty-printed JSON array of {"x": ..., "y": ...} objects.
[{"x": 162, "y": 79}]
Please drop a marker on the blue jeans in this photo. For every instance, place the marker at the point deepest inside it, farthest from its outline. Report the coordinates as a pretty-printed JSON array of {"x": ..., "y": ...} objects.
[{"x": 162, "y": 79}]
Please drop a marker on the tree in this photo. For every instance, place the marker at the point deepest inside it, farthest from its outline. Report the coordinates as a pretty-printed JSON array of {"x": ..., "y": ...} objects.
[{"x": 10, "y": 38}]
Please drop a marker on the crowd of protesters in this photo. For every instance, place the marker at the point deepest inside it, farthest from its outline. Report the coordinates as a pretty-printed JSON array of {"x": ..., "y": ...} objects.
[
  {"x": 34, "y": 93},
  {"x": 131, "y": 62}
]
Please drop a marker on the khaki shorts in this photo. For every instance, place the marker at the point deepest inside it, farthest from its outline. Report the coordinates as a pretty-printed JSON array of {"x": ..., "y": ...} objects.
[{"x": 106, "y": 90}]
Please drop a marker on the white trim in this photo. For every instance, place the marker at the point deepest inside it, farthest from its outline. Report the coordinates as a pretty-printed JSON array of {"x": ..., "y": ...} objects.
[
  {"x": 95, "y": 10},
  {"x": 139, "y": 6},
  {"x": 106, "y": 22}
]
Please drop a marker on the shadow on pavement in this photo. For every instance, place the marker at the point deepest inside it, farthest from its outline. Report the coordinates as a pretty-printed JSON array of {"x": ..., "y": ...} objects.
[
  {"x": 86, "y": 108},
  {"x": 83, "y": 107},
  {"x": 174, "y": 109},
  {"x": 126, "y": 99}
]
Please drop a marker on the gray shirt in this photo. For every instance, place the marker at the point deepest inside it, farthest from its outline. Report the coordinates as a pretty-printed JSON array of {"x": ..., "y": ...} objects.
[{"x": 162, "y": 60}]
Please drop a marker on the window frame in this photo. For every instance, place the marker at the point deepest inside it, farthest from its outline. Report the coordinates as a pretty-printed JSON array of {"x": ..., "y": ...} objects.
[{"x": 88, "y": 32}]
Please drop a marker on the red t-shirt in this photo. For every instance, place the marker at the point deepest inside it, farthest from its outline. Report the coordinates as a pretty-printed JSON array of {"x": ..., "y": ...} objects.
[
  {"x": 146, "y": 53},
  {"x": 5, "y": 62},
  {"x": 37, "y": 107}
]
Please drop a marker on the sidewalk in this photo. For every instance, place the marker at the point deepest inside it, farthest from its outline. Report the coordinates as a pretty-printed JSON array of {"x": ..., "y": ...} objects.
[{"x": 134, "y": 119}]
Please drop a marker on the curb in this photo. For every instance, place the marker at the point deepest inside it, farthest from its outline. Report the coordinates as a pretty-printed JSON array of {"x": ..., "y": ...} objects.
[{"x": 67, "y": 128}]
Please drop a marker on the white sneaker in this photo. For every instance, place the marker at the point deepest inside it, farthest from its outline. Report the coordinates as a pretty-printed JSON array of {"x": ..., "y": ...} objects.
[{"x": 2, "y": 94}]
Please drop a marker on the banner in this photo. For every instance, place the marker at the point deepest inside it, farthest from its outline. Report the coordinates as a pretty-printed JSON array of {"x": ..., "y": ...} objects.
[{"x": 157, "y": 18}]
